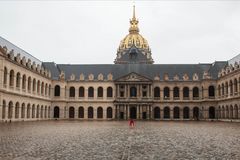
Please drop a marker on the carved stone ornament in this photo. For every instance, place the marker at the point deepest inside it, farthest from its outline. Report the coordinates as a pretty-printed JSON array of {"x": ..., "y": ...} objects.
[
  {"x": 156, "y": 78},
  {"x": 90, "y": 77},
  {"x": 110, "y": 77},
  {"x": 166, "y": 78},
  {"x": 176, "y": 77},
  {"x": 62, "y": 76},
  {"x": 185, "y": 77},
  {"x": 195, "y": 77},
  {"x": 72, "y": 77},
  {"x": 81, "y": 78},
  {"x": 206, "y": 75},
  {"x": 100, "y": 77}
]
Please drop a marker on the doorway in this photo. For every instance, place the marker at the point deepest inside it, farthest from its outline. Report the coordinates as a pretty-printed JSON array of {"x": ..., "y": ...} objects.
[{"x": 133, "y": 112}]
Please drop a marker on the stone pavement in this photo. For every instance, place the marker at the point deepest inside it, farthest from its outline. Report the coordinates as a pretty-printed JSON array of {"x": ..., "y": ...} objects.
[{"x": 116, "y": 140}]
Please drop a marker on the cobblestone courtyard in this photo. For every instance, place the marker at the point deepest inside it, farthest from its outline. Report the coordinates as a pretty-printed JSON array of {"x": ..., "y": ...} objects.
[{"x": 115, "y": 140}]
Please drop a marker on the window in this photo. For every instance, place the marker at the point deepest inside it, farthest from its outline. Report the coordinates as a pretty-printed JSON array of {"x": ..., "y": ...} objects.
[
  {"x": 90, "y": 92},
  {"x": 100, "y": 92},
  {"x": 109, "y": 92},
  {"x": 81, "y": 91},
  {"x": 72, "y": 92},
  {"x": 57, "y": 90}
]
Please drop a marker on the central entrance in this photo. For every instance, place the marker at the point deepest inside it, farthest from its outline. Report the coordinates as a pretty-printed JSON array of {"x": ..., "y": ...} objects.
[{"x": 133, "y": 112}]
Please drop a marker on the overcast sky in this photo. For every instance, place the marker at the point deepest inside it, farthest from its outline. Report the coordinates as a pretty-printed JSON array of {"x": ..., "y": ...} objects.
[{"x": 90, "y": 32}]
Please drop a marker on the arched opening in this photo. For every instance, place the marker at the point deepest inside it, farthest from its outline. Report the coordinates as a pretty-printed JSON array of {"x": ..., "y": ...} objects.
[
  {"x": 45, "y": 112},
  {"x": 109, "y": 92},
  {"x": 71, "y": 112},
  {"x": 231, "y": 87},
  {"x": 166, "y": 93},
  {"x": 10, "y": 110},
  {"x": 46, "y": 89},
  {"x": 24, "y": 79},
  {"x": 166, "y": 112},
  {"x": 219, "y": 90},
  {"x": 49, "y": 90},
  {"x": 211, "y": 113},
  {"x": 196, "y": 113},
  {"x": 29, "y": 84},
  {"x": 37, "y": 115},
  {"x": 57, "y": 91},
  {"x": 133, "y": 92},
  {"x": 157, "y": 92},
  {"x": 33, "y": 111},
  {"x": 90, "y": 112},
  {"x": 156, "y": 113},
  {"x": 90, "y": 92},
  {"x": 81, "y": 91},
  {"x": 17, "y": 110},
  {"x": 11, "y": 78},
  {"x": 231, "y": 112},
  {"x": 176, "y": 93},
  {"x": 80, "y": 112},
  {"x": 100, "y": 92},
  {"x": 41, "y": 112},
  {"x": 223, "y": 90},
  {"x": 223, "y": 112},
  {"x": 176, "y": 113},
  {"x": 235, "y": 86},
  {"x": 227, "y": 112},
  {"x": 38, "y": 86},
  {"x": 5, "y": 76},
  {"x": 28, "y": 111},
  {"x": 226, "y": 85},
  {"x": 236, "y": 111},
  {"x": 185, "y": 113},
  {"x": 56, "y": 112},
  {"x": 133, "y": 112},
  {"x": 49, "y": 111},
  {"x": 211, "y": 91},
  {"x": 109, "y": 112},
  {"x": 72, "y": 92},
  {"x": 18, "y": 77},
  {"x": 195, "y": 93},
  {"x": 4, "y": 110},
  {"x": 99, "y": 112},
  {"x": 219, "y": 112},
  {"x": 42, "y": 88},
  {"x": 23, "y": 110},
  {"x": 186, "y": 93}
]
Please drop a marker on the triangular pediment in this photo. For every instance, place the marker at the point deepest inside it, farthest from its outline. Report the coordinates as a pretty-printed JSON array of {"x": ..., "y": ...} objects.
[{"x": 134, "y": 77}]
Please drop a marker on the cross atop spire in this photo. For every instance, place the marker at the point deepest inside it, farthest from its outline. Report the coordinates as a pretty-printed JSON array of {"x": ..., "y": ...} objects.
[{"x": 134, "y": 23}]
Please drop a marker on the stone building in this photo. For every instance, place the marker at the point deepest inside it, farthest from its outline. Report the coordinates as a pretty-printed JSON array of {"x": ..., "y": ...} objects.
[{"x": 133, "y": 87}]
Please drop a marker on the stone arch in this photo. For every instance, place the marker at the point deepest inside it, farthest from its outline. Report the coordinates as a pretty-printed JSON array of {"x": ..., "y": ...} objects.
[
  {"x": 57, "y": 91},
  {"x": 42, "y": 88},
  {"x": 227, "y": 112},
  {"x": 29, "y": 84},
  {"x": 231, "y": 87},
  {"x": 231, "y": 112},
  {"x": 81, "y": 91},
  {"x": 38, "y": 86},
  {"x": 211, "y": 112},
  {"x": 80, "y": 112},
  {"x": 226, "y": 86},
  {"x": 186, "y": 113},
  {"x": 236, "y": 111},
  {"x": 24, "y": 80},
  {"x": 176, "y": 112},
  {"x": 235, "y": 86},
  {"x": 46, "y": 89},
  {"x": 33, "y": 111},
  {"x": 17, "y": 108},
  {"x": 91, "y": 92},
  {"x": 41, "y": 111},
  {"x": 223, "y": 89},
  {"x": 195, "y": 92},
  {"x": 100, "y": 92},
  {"x": 219, "y": 90},
  {"x": 10, "y": 110},
  {"x": 38, "y": 111},
  {"x": 23, "y": 110},
  {"x": 99, "y": 112},
  {"x": 18, "y": 77},
  {"x": 11, "y": 78},
  {"x": 176, "y": 92},
  {"x": 49, "y": 90},
  {"x": 156, "y": 92},
  {"x": 186, "y": 92},
  {"x": 34, "y": 85},
  {"x": 45, "y": 112},
  {"x": 223, "y": 112},
  {"x": 56, "y": 112},
  {"x": 28, "y": 110},
  {"x": 211, "y": 91},
  {"x": 219, "y": 112},
  {"x": 156, "y": 113},
  {"x": 166, "y": 92},
  {"x": 4, "y": 109},
  {"x": 5, "y": 74},
  {"x": 109, "y": 92},
  {"x": 72, "y": 91},
  {"x": 196, "y": 113},
  {"x": 71, "y": 112},
  {"x": 166, "y": 113},
  {"x": 109, "y": 112},
  {"x": 90, "y": 112}
]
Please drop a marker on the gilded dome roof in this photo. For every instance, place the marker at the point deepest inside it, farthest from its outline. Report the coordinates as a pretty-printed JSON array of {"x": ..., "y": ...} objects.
[{"x": 134, "y": 38}]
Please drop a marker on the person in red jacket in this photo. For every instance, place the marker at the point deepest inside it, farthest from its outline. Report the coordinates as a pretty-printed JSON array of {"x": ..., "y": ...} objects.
[{"x": 131, "y": 123}]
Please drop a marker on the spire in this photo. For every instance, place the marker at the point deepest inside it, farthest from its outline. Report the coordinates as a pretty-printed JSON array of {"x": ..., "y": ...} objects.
[{"x": 133, "y": 23}]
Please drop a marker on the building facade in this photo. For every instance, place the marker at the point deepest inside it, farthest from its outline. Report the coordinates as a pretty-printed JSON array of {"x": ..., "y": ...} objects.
[{"x": 131, "y": 88}]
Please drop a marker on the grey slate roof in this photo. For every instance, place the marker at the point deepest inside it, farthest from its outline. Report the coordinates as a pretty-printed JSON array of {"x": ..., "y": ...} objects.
[{"x": 147, "y": 70}]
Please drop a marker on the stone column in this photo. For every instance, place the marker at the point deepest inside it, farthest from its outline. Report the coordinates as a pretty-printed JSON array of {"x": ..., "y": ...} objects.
[
  {"x": 127, "y": 112},
  {"x": 161, "y": 113},
  {"x": 181, "y": 113},
  {"x": 190, "y": 113},
  {"x": 190, "y": 94},
  {"x": 171, "y": 113},
  {"x": 76, "y": 112}
]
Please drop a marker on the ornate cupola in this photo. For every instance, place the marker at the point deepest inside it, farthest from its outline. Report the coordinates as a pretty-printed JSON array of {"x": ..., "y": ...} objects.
[{"x": 134, "y": 48}]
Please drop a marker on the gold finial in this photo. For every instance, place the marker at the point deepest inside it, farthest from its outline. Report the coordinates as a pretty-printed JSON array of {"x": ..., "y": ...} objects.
[{"x": 133, "y": 23}]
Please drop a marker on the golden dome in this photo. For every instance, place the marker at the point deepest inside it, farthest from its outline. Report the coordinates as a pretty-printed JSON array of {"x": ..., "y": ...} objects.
[{"x": 133, "y": 38}]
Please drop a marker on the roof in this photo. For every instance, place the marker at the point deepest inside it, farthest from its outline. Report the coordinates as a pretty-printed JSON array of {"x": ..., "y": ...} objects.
[{"x": 147, "y": 70}]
